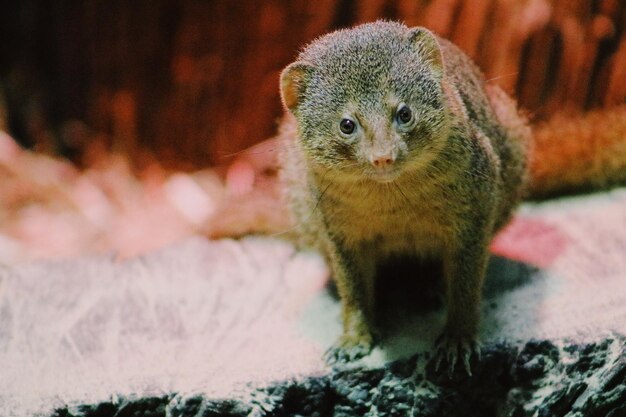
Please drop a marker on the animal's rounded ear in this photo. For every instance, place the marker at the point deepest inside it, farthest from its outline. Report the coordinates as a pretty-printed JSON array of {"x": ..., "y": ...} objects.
[
  {"x": 427, "y": 47},
  {"x": 294, "y": 81}
]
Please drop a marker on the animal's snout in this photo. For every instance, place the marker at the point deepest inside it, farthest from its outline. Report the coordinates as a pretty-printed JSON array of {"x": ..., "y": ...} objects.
[{"x": 382, "y": 161}]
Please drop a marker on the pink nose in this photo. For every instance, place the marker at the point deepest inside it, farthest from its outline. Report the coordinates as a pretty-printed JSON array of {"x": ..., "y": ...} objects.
[{"x": 382, "y": 161}]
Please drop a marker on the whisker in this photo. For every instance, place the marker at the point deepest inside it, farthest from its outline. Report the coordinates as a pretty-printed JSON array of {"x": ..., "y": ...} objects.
[
  {"x": 251, "y": 151},
  {"x": 502, "y": 76},
  {"x": 246, "y": 151},
  {"x": 317, "y": 203},
  {"x": 284, "y": 232}
]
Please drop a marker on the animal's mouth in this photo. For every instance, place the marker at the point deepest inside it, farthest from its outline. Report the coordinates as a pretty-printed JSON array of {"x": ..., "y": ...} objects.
[{"x": 384, "y": 176}]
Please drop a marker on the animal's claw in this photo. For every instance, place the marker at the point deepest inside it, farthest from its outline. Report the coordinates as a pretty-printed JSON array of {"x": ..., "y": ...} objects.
[
  {"x": 347, "y": 350},
  {"x": 453, "y": 350}
]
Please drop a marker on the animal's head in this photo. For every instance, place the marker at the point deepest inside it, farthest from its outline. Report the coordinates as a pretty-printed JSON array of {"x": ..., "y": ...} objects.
[{"x": 368, "y": 100}]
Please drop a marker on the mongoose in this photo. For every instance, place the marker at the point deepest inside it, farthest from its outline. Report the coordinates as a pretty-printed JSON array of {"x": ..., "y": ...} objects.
[{"x": 399, "y": 148}]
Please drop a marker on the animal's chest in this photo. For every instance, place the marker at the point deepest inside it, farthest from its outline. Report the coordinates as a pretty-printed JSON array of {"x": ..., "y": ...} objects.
[{"x": 391, "y": 218}]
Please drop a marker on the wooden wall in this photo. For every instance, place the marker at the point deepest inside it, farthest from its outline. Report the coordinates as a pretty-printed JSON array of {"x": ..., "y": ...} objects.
[{"x": 191, "y": 81}]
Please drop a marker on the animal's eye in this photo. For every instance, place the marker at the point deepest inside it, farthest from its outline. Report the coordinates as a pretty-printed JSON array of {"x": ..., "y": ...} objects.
[
  {"x": 347, "y": 126},
  {"x": 404, "y": 115}
]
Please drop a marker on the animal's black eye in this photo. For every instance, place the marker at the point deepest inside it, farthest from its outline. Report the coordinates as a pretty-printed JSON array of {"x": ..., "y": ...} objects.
[
  {"x": 404, "y": 115},
  {"x": 347, "y": 126}
]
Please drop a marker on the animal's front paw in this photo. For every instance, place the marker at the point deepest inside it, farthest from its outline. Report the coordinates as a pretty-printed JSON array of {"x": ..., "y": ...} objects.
[
  {"x": 454, "y": 350},
  {"x": 348, "y": 349}
]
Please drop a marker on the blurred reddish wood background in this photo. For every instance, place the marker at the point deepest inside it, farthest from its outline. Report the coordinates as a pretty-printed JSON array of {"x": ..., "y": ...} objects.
[{"x": 189, "y": 82}]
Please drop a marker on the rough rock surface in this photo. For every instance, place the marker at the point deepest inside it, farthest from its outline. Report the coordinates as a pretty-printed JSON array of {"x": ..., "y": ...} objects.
[{"x": 540, "y": 380}]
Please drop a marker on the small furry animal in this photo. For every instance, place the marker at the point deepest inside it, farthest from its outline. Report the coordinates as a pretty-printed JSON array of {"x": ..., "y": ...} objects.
[{"x": 396, "y": 146}]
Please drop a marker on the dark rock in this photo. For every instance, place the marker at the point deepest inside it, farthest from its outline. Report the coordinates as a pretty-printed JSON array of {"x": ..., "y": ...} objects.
[
  {"x": 534, "y": 361},
  {"x": 562, "y": 400},
  {"x": 141, "y": 407},
  {"x": 101, "y": 410},
  {"x": 226, "y": 408},
  {"x": 616, "y": 374},
  {"x": 591, "y": 383},
  {"x": 605, "y": 403},
  {"x": 188, "y": 407},
  {"x": 590, "y": 358},
  {"x": 514, "y": 404},
  {"x": 618, "y": 412},
  {"x": 404, "y": 369}
]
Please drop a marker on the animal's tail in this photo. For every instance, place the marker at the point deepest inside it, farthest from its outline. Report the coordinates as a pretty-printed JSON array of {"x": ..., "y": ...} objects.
[{"x": 573, "y": 154}]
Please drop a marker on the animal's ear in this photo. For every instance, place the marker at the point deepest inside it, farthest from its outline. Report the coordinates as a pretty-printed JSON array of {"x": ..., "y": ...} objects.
[
  {"x": 294, "y": 81},
  {"x": 428, "y": 47}
]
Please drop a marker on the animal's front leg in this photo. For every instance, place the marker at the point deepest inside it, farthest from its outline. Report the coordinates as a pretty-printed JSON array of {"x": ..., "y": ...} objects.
[
  {"x": 354, "y": 274},
  {"x": 464, "y": 271}
]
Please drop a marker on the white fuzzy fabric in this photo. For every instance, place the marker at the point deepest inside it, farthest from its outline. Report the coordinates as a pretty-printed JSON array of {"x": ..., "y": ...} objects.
[{"x": 211, "y": 317}]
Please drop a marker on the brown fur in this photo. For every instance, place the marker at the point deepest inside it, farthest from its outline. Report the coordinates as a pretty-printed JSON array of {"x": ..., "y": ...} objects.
[{"x": 457, "y": 178}]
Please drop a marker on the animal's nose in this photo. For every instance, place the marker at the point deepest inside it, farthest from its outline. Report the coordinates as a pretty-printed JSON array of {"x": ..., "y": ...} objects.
[{"x": 382, "y": 161}]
